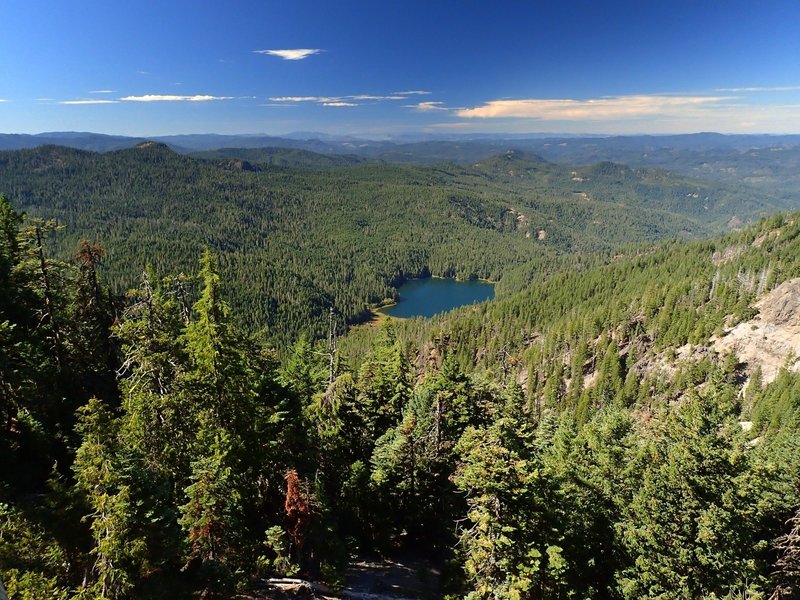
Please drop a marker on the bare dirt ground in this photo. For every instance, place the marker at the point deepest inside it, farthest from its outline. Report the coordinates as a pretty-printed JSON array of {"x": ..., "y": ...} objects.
[{"x": 404, "y": 578}]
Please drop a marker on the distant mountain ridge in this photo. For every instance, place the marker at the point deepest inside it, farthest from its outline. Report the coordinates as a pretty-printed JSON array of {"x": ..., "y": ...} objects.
[
  {"x": 549, "y": 145},
  {"x": 768, "y": 162}
]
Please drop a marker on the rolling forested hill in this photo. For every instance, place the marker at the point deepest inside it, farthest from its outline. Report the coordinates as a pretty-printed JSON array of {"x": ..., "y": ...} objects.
[
  {"x": 294, "y": 241},
  {"x": 626, "y": 427}
]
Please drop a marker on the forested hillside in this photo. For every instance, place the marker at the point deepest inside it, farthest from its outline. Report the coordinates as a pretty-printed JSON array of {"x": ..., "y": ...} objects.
[
  {"x": 581, "y": 438},
  {"x": 294, "y": 241},
  {"x": 765, "y": 162}
]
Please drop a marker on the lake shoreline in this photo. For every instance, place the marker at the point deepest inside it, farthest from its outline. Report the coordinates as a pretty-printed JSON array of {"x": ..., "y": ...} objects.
[{"x": 428, "y": 296}]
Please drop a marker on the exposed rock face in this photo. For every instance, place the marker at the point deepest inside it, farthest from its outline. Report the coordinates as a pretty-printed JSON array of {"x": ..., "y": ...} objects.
[
  {"x": 772, "y": 339},
  {"x": 236, "y": 164}
]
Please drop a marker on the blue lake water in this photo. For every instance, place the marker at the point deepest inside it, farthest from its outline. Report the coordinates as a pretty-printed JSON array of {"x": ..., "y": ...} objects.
[{"x": 427, "y": 297}]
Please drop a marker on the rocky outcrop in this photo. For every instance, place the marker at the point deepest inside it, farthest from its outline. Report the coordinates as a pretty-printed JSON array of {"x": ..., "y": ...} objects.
[{"x": 772, "y": 339}]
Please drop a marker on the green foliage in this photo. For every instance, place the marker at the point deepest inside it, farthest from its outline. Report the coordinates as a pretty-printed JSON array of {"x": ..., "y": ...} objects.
[
  {"x": 786, "y": 575},
  {"x": 293, "y": 241},
  {"x": 106, "y": 483},
  {"x": 213, "y": 503},
  {"x": 31, "y": 562},
  {"x": 278, "y": 559},
  {"x": 511, "y": 548},
  {"x": 616, "y": 469},
  {"x": 690, "y": 526}
]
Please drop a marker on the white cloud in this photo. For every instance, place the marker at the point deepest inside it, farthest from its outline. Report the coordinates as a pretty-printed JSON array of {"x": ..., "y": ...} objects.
[
  {"x": 427, "y": 106},
  {"x": 351, "y": 100},
  {"x": 370, "y": 97},
  {"x": 101, "y": 91},
  {"x": 90, "y": 101},
  {"x": 412, "y": 93},
  {"x": 735, "y": 116},
  {"x": 292, "y": 54},
  {"x": 596, "y": 109},
  {"x": 173, "y": 98},
  {"x": 779, "y": 88},
  {"x": 304, "y": 99}
]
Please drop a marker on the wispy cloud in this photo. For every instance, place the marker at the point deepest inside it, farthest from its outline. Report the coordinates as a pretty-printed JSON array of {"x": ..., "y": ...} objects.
[
  {"x": 427, "y": 106},
  {"x": 596, "y": 109},
  {"x": 173, "y": 98},
  {"x": 319, "y": 99},
  {"x": 88, "y": 101},
  {"x": 350, "y": 100},
  {"x": 291, "y": 54},
  {"x": 3, "y": 100},
  {"x": 777, "y": 88},
  {"x": 370, "y": 97},
  {"x": 102, "y": 91},
  {"x": 412, "y": 93},
  {"x": 635, "y": 114}
]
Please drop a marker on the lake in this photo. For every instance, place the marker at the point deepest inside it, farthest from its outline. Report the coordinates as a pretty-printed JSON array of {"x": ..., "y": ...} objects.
[{"x": 427, "y": 297}]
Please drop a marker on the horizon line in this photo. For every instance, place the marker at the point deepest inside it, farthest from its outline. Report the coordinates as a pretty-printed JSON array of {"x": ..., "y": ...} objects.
[{"x": 410, "y": 133}]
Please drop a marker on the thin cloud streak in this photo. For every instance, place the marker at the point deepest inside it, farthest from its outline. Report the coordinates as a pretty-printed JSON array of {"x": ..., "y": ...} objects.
[
  {"x": 596, "y": 109},
  {"x": 427, "y": 106},
  {"x": 85, "y": 102},
  {"x": 339, "y": 103},
  {"x": 302, "y": 99},
  {"x": 369, "y": 97},
  {"x": 733, "y": 117},
  {"x": 102, "y": 91},
  {"x": 779, "y": 88},
  {"x": 413, "y": 93},
  {"x": 173, "y": 98},
  {"x": 291, "y": 54},
  {"x": 323, "y": 99}
]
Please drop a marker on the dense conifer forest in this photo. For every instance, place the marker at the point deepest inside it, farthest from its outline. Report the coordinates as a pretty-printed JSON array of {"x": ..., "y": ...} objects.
[
  {"x": 180, "y": 418},
  {"x": 293, "y": 241}
]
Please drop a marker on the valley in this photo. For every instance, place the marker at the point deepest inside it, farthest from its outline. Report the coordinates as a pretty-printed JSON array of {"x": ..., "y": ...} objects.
[
  {"x": 399, "y": 300},
  {"x": 625, "y": 391},
  {"x": 294, "y": 241}
]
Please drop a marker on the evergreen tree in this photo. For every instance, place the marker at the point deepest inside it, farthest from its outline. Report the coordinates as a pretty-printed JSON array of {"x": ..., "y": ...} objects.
[
  {"x": 211, "y": 516},
  {"x": 512, "y": 548},
  {"x": 786, "y": 573},
  {"x": 100, "y": 476},
  {"x": 384, "y": 384},
  {"x": 689, "y": 527}
]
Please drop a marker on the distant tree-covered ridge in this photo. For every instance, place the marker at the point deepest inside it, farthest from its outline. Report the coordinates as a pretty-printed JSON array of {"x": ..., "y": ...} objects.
[{"x": 293, "y": 241}]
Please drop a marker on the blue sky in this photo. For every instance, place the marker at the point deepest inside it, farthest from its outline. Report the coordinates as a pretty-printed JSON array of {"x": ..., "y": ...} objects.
[{"x": 382, "y": 67}]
